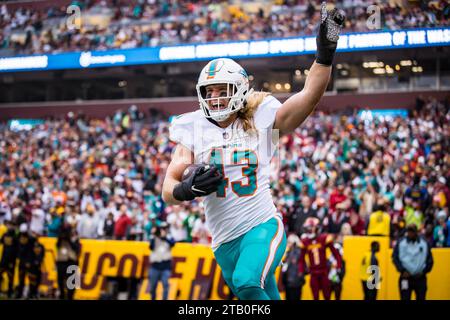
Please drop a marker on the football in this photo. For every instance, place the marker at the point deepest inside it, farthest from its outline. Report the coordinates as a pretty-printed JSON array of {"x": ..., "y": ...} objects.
[{"x": 191, "y": 169}]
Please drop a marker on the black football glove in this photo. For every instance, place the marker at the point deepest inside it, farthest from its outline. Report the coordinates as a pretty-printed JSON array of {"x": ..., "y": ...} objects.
[
  {"x": 330, "y": 26},
  {"x": 203, "y": 181}
]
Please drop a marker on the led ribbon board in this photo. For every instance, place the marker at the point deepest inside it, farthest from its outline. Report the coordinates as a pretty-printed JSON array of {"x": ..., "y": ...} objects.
[{"x": 348, "y": 42}]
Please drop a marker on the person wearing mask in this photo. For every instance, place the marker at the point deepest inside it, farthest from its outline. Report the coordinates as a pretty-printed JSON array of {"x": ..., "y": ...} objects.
[
  {"x": 413, "y": 259},
  {"x": 161, "y": 244},
  {"x": 67, "y": 253},
  {"x": 9, "y": 254},
  {"x": 369, "y": 262},
  {"x": 290, "y": 275}
]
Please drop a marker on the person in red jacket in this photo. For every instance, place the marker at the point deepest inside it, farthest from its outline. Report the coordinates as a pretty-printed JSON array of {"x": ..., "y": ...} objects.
[
  {"x": 122, "y": 224},
  {"x": 314, "y": 245},
  {"x": 337, "y": 196}
]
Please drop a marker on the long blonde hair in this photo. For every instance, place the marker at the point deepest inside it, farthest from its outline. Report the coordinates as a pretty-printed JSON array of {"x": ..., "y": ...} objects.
[{"x": 246, "y": 114}]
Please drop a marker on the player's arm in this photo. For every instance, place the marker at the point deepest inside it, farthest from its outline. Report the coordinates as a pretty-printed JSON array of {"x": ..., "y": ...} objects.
[
  {"x": 181, "y": 159},
  {"x": 334, "y": 251},
  {"x": 202, "y": 182},
  {"x": 298, "y": 107}
]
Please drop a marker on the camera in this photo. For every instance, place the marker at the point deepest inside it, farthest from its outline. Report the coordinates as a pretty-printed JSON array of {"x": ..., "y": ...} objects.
[{"x": 157, "y": 230}]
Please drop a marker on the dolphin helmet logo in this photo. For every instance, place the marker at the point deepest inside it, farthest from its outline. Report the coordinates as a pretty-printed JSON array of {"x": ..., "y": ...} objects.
[{"x": 214, "y": 67}]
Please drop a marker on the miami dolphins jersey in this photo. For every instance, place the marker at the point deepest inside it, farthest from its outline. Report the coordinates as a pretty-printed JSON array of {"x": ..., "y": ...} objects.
[{"x": 243, "y": 200}]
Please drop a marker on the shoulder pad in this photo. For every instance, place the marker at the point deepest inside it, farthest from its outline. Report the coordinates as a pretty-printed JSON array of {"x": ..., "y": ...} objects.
[
  {"x": 266, "y": 111},
  {"x": 182, "y": 128}
]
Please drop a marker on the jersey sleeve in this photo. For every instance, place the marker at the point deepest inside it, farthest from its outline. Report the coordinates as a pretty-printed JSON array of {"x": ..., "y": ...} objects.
[
  {"x": 302, "y": 244},
  {"x": 328, "y": 239},
  {"x": 266, "y": 112},
  {"x": 181, "y": 130}
]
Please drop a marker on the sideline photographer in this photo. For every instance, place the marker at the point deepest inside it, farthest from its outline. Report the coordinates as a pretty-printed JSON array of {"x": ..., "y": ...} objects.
[{"x": 161, "y": 244}]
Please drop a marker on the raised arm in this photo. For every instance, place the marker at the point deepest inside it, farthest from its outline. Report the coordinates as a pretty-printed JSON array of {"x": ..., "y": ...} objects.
[{"x": 299, "y": 106}]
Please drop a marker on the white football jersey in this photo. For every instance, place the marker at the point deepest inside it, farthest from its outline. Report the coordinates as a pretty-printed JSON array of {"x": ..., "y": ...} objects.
[{"x": 244, "y": 200}]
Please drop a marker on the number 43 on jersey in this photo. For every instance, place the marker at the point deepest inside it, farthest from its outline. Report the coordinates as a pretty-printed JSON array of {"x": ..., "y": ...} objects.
[{"x": 238, "y": 157}]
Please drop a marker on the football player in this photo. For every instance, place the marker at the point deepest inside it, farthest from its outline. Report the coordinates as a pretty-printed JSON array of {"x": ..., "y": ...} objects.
[
  {"x": 233, "y": 136},
  {"x": 314, "y": 245}
]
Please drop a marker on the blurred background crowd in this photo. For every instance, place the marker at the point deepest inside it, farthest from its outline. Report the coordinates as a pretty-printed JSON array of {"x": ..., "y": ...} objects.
[
  {"x": 107, "y": 24},
  {"x": 102, "y": 177}
]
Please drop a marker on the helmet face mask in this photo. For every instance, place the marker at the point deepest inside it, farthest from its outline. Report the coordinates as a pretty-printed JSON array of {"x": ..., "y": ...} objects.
[{"x": 233, "y": 76}]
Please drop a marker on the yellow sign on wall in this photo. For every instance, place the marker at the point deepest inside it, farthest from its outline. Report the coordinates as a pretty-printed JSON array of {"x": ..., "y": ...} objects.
[{"x": 196, "y": 275}]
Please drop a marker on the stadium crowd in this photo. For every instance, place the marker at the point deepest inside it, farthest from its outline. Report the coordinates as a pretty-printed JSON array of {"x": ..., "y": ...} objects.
[
  {"x": 103, "y": 178},
  {"x": 110, "y": 24},
  {"x": 78, "y": 178}
]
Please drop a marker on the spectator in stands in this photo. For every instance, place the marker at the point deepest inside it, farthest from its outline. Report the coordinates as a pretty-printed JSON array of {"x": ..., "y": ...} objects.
[
  {"x": 189, "y": 222},
  {"x": 379, "y": 221},
  {"x": 108, "y": 227},
  {"x": 89, "y": 224},
  {"x": 161, "y": 244},
  {"x": 443, "y": 192},
  {"x": 357, "y": 224},
  {"x": 337, "y": 196},
  {"x": 413, "y": 213},
  {"x": 37, "y": 223},
  {"x": 300, "y": 213},
  {"x": 334, "y": 221},
  {"x": 175, "y": 220},
  {"x": 417, "y": 192},
  {"x": 89, "y": 154},
  {"x": 440, "y": 232},
  {"x": 152, "y": 24},
  {"x": 413, "y": 259},
  {"x": 368, "y": 199},
  {"x": 122, "y": 224},
  {"x": 56, "y": 222},
  {"x": 200, "y": 231},
  {"x": 73, "y": 216}
]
